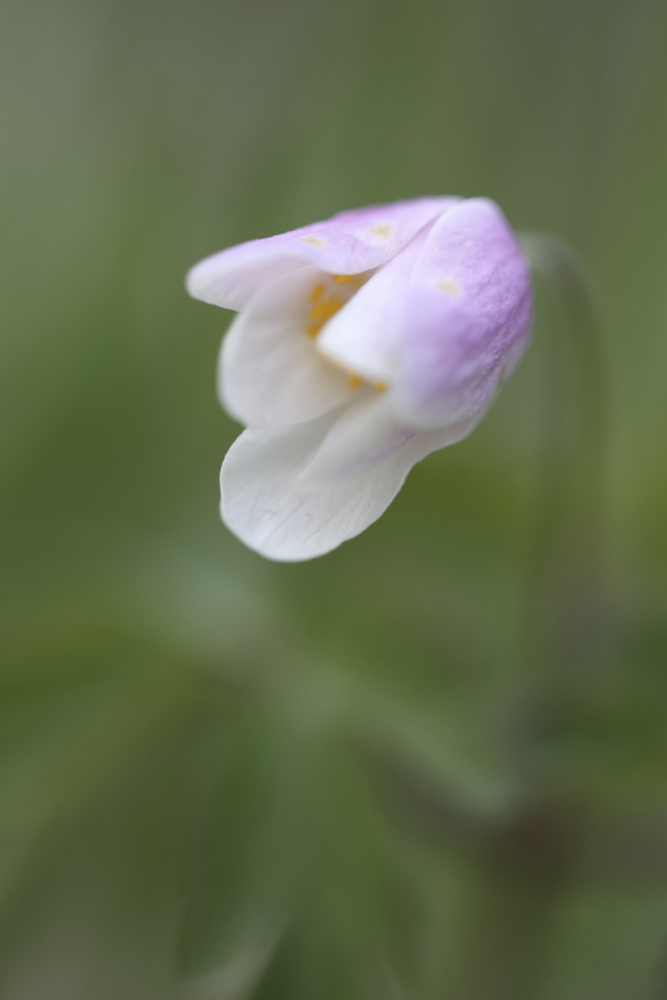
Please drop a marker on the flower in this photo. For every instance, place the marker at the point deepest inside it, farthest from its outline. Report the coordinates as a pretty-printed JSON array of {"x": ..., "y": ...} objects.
[{"x": 363, "y": 344}]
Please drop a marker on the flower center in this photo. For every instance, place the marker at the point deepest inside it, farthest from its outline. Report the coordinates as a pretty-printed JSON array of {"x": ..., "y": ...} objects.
[
  {"x": 326, "y": 301},
  {"x": 327, "y": 298}
]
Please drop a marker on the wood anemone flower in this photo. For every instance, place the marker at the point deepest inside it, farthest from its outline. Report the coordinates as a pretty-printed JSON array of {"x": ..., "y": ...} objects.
[{"x": 362, "y": 344}]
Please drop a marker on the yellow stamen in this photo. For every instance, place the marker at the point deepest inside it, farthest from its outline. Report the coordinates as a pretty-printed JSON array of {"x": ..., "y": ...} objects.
[
  {"x": 326, "y": 302},
  {"x": 325, "y": 309},
  {"x": 380, "y": 386},
  {"x": 356, "y": 280},
  {"x": 356, "y": 381},
  {"x": 322, "y": 313}
]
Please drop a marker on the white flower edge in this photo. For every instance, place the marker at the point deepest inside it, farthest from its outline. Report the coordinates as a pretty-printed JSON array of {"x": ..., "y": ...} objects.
[{"x": 268, "y": 502}]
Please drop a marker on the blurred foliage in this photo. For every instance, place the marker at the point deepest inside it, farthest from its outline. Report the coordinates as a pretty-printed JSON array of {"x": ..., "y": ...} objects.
[{"x": 224, "y": 778}]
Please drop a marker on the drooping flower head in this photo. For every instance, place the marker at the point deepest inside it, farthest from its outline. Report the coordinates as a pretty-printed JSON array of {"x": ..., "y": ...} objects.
[{"x": 362, "y": 344}]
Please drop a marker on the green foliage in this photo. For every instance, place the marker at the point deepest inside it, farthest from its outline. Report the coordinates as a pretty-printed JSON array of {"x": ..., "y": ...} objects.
[{"x": 351, "y": 778}]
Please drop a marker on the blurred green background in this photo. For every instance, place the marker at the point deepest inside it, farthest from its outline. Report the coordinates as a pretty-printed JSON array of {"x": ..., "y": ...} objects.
[{"x": 385, "y": 774}]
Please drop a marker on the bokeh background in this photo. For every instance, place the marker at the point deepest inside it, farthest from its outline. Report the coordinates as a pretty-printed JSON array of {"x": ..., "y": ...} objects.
[{"x": 411, "y": 769}]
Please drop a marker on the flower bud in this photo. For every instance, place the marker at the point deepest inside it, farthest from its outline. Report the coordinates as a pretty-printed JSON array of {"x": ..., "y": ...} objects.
[{"x": 362, "y": 344}]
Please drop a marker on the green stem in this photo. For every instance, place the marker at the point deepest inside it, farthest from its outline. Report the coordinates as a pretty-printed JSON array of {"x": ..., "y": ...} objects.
[
  {"x": 566, "y": 602},
  {"x": 525, "y": 868},
  {"x": 523, "y": 864}
]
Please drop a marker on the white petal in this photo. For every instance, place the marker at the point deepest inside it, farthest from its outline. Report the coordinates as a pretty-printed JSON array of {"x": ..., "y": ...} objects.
[
  {"x": 265, "y": 506},
  {"x": 270, "y": 373},
  {"x": 230, "y": 278},
  {"x": 365, "y": 335},
  {"x": 367, "y": 433}
]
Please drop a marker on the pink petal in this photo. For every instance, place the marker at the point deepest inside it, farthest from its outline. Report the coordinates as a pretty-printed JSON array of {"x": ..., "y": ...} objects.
[
  {"x": 466, "y": 316},
  {"x": 349, "y": 243}
]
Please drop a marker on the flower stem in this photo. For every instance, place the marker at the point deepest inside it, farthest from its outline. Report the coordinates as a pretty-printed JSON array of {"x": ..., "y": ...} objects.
[
  {"x": 566, "y": 607},
  {"x": 529, "y": 859},
  {"x": 524, "y": 862}
]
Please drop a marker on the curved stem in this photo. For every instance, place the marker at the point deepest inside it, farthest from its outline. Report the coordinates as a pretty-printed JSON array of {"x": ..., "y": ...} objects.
[
  {"x": 523, "y": 862},
  {"x": 566, "y": 603},
  {"x": 528, "y": 861}
]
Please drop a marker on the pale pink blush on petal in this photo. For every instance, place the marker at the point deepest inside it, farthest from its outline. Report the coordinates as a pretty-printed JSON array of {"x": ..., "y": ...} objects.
[
  {"x": 348, "y": 243},
  {"x": 467, "y": 311}
]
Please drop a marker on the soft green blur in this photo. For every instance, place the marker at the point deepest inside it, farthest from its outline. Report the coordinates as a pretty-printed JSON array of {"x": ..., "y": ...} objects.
[{"x": 393, "y": 773}]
